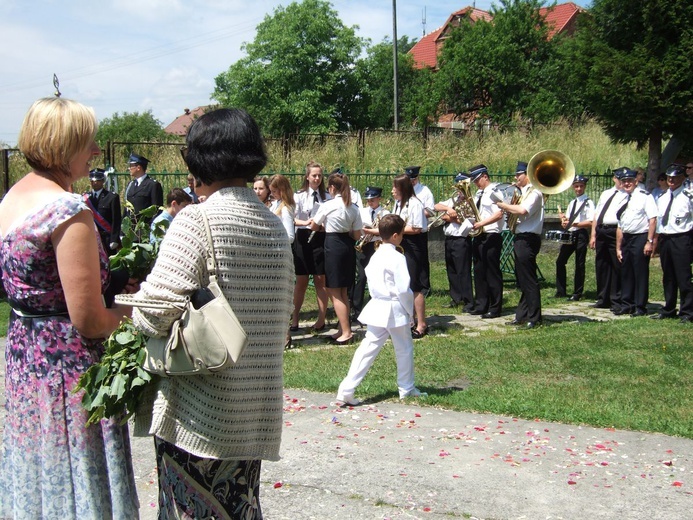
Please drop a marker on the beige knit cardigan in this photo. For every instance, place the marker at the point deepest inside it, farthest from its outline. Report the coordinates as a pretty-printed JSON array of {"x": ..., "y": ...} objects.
[{"x": 235, "y": 413}]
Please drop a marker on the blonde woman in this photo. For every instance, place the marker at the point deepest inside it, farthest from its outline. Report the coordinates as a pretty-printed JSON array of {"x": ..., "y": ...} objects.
[{"x": 283, "y": 204}]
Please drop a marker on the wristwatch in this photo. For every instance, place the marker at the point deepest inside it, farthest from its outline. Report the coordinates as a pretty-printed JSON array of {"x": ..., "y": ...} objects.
[{"x": 650, "y": 240}]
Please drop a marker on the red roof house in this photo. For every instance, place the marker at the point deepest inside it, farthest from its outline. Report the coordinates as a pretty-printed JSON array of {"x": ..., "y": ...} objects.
[
  {"x": 180, "y": 125},
  {"x": 560, "y": 19}
]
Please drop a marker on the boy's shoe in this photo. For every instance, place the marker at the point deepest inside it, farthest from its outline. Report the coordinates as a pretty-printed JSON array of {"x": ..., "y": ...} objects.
[
  {"x": 414, "y": 393},
  {"x": 348, "y": 400}
]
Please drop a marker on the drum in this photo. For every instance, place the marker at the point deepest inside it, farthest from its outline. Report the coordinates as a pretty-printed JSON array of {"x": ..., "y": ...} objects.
[{"x": 563, "y": 237}]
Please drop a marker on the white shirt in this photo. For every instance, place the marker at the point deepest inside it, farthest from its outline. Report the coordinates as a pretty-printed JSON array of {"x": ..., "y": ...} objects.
[
  {"x": 424, "y": 194},
  {"x": 454, "y": 229},
  {"x": 533, "y": 201},
  {"x": 367, "y": 218},
  {"x": 305, "y": 205},
  {"x": 641, "y": 208},
  {"x": 610, "y": 215},
  {"x": 356, "y": 197},
  {"x": 412, "y": 214},
  {"x": 488, "y": 208},
  {"x": 286, "y": 213},
  {"x": 680, "y": 213},
  {"x": 392, "y": 301},
  {"x": 586, "y": 211},
  {"x": 338, "y": 218}
]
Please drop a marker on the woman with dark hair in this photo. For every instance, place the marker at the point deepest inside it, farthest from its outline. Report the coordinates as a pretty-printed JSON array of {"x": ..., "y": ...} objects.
[
  {"x": 262, "y": 189},
  {"x": 415, "y": 244},
  {"x": 342, "y": 222},
  {"x": 211, "y": 432},
  {"x": 309, "y": 252},
  {"x": 55, "y": 270}
]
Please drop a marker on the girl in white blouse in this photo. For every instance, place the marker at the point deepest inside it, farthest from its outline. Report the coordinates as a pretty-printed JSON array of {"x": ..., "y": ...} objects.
[{"x": 283, "y": 202}]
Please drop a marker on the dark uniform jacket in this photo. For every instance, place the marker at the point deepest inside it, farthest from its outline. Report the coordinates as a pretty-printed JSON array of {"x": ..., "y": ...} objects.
[
  {"x": 108, "y": 206},
  {"x": 148, "y": 193}
]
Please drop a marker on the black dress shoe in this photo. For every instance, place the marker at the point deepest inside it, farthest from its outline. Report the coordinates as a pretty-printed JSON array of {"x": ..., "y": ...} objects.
[
  {"x": 532, "y": 324},
  {"x": 515, "y": 322},
  {"x": 574, "y": 298},
  {"x": 620, "y": 312},
  {"x": 687, "y": 319},
  {"x": 476, "y": 313},
  {"x": 638, "y": 314},
  {"x": 489, "y": 315},
  {"x": 662, "y": 316},
  {"x": 600, "y": 306},
  {"x": 470, "y": 309}
]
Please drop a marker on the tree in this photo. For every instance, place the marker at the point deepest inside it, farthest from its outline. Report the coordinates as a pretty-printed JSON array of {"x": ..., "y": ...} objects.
[
  {"x": 376, "y": 77},
  {"x": 498, "y": 68},
  {"x": 299, "y": 72},
  {"x": 131, "y": 127},
  {"x": 637, "y": 58}
]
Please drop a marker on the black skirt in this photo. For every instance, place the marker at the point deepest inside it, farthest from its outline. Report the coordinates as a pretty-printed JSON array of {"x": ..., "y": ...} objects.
[
  {"x": 309, "y": 257},
  {"x": 340, "y": 260},
  {"x": 416, "y": 254}
]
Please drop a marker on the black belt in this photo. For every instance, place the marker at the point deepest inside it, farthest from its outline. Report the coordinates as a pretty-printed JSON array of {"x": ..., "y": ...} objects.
[
  {"x": 674, "y": 235},
  {"x": 608, "y": 226}
]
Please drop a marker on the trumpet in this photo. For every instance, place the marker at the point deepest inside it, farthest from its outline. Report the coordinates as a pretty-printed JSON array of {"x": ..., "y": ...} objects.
[
  {"x": 367, "y": 238},
  {"x": 464, "y": 206}
]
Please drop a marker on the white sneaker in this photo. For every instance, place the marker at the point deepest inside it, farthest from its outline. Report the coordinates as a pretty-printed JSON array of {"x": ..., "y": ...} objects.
[
  {"x": 348, "y": 400},
  {"x": 415, "y": 393}
]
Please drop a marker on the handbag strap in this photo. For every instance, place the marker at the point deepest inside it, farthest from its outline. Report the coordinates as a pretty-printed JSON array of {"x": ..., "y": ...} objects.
[{"x": 211, "y": 258}]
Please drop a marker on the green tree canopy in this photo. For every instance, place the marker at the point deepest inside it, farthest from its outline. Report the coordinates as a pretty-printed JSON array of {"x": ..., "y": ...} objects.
[
  {"x": 131, "y": 127},
  {"x": 298, "y": 74}
]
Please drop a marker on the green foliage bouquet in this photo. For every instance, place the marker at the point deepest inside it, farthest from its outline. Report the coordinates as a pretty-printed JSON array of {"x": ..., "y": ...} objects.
[{"x": 113, "y": 386}]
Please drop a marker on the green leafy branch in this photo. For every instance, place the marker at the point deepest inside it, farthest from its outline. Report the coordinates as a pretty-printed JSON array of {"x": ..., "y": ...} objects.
[{"x": 114, "y": 386}]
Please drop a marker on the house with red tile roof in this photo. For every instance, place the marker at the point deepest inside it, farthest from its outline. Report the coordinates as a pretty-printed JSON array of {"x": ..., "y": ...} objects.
[
  {"x": 560, "y": 19},
  {"x": 180, "y": 125}
]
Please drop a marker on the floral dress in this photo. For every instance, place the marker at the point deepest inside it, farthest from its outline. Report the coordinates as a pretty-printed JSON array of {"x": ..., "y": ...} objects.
[{"x": 51, "y": 464}]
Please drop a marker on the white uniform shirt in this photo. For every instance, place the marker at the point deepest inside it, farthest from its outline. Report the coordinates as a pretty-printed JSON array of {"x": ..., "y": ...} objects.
[
  {"x": 610, "y": 215},
  {"x": 306, "y": 207},
  {"x": 286, "y": 213},
  {"x": 392, "y": 301},
  {"x": 338, "y": 218},
  {"x": 680, "y": 213},
  {"x": 367, "y": 218},
  {"x": 453, "y": 229},
  {"x": 488, "y": 208},
  {"x": 641, "y": 208},
  {"x": 356, "y": 197},
  {"x": 424, "y": 194},
  {"x": 586, "y": 212},
  {"x": 412, "y": 214},
  {"x": 533, "y": 202}
]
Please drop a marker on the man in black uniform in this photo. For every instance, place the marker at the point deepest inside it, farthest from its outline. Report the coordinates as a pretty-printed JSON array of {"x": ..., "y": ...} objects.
[
  {"x": 675, "y": 238},
  {"x": 143, "y": 191},
  {"x": 105, "y": 206}
]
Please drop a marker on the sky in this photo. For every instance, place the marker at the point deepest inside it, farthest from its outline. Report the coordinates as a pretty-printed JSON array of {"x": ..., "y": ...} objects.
[{"x": 159, "y": 55}]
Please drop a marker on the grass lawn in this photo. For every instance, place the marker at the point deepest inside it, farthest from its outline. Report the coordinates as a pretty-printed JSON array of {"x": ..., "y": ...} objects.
[{"x": 634, "y": 374}]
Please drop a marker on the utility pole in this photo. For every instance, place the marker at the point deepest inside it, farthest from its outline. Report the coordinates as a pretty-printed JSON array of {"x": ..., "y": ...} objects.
[{"x": 394, "y": 60}]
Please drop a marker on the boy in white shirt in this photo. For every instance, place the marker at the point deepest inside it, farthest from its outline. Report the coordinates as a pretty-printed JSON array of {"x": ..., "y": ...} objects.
[{"x": 387, "y": 314}]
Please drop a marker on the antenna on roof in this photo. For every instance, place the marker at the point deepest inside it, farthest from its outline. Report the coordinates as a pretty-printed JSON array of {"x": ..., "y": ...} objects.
[{"x": 423, "y": 20}]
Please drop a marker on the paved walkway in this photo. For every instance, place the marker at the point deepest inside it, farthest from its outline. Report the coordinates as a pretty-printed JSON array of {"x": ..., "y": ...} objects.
[{"x": 401, "y": 460}]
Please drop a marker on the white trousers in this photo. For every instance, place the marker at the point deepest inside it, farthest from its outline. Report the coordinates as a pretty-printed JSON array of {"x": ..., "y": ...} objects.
[{"x": 368, "y": 350}]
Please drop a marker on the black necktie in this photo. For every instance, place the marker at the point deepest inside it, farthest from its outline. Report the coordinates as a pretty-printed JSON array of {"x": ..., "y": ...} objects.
[
  {"x": 606, "y": 206},
  {"x": 572, "y": 212},
  {"x": 372, "y": 216},
  {"x": 315, "y": 197},
  {"x": 622, "y": 208},
  {"x": 478, "y": 200},
  {"x": 665, "y": 217}
]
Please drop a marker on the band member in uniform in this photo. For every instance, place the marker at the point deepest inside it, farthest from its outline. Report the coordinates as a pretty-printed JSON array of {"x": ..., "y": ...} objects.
[
  {"x": 415, "y": 244},
  {"x": 309, "y": 253},
  {"x": 283, "y": 204},
  {"x": 637, "y": 221},
  {"x": 190, "y": 189},
  {"x": 105, "y": 206},
  {"x": 370, "y": 216},
  {"x": 675, "y": 240},
  {"x": 530, "y": 211},
  {"x": 424, "y": 194},
  {"x": 688, "y": 182},
  {"x": 342, "y": 223},
  {"x": 487, "y": 248},
  {"x": 458, "y": 252},
  {"x": 578, "y": 221},
  {"x": 355, "y": 195},
  {"x": 603, "y": 241},
  {"x": 142, "y": 191},
  {"x": 262, "y": 189}
]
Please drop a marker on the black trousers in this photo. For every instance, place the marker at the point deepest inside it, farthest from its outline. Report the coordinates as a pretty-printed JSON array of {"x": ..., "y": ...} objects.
[
  {"x": 458, "y": 264},
  {"x": 488, "y": 279},
  {"x": 635, "y": 273},
  {"x": 579, "y": 247},
  {"x": 607, "y": 268},
  {"x": 527, "y": 246},
  {"x": 358, "y": 291},
  {"x": 675, "y": 256}
]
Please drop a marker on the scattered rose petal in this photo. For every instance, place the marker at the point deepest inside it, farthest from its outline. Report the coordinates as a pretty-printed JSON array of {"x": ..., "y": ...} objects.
[
  {"x": 677, "y": 484},
  {"x": 278, "y": 485},
  {"x": 571, "y": 482}
]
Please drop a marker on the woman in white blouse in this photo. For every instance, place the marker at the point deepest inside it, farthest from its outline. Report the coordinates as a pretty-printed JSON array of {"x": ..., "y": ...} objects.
[
  {"x": 415, "y": 244},
  {"x": 342, "y": 222},
  {"x": 283, "y": 202}
]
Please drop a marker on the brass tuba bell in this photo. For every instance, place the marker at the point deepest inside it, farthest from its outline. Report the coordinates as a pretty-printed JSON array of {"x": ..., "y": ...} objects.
[{"x": 550, "y": 171}]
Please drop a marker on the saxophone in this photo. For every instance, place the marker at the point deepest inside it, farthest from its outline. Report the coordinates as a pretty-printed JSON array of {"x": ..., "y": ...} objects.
[
  {"x": 464, "y": 206},
  {"x": 367, "y": 238}
]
